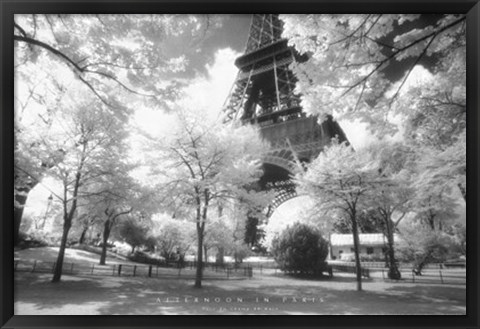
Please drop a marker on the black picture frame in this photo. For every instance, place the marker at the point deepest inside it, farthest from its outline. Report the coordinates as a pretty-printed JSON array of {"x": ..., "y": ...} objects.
[{"x": 11, "y": 7}]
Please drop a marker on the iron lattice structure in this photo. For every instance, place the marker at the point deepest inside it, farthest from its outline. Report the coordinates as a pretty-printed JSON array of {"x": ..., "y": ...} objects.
[
  {"x": 263, "y": 91},
  {"x": 264, "y": 94}
]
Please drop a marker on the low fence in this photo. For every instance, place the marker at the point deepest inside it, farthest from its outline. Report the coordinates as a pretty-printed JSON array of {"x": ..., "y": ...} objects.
[
  {"x": 381, "y": 265},
  {"x": 434, "y": 273},
  {"x": 133, "y": 270},
  {"x": 266, "y": 264},
  {"x": 432, "y": 276},
  {"x": 346, "y": 268}
]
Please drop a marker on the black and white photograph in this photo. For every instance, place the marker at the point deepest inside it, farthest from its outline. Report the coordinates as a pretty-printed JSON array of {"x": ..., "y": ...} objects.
[{"x": 240, "y": 164}]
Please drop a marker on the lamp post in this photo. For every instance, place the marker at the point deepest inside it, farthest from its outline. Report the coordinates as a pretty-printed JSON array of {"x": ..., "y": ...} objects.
[{"x": 49, "y": 203}]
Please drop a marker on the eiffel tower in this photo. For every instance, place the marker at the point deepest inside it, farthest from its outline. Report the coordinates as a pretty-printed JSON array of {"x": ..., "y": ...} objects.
[{"x": 263, "y": 94}]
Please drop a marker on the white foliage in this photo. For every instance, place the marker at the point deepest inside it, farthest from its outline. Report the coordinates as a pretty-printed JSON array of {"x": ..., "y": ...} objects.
[
  {"x": 347, "y": 55},
  {"x": 198, "y": 155}
]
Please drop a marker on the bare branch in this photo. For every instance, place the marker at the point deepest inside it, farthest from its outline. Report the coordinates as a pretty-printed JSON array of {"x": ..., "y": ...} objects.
[
  {"x": 397, "y": 52},
  {"x": 410, "y": 70},
  {"x": 49, "y": 48},
  {"x": 20, "y": 29},
  {"x": 109, "y": 76}
]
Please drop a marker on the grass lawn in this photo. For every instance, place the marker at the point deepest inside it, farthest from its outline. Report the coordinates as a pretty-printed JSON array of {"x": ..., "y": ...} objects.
[
  {"x": 49, "y": 254},
  {"x": 266, "y": 294}
]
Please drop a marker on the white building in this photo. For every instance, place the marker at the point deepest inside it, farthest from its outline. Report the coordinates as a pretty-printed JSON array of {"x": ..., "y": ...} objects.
[{"x": 370, "y": 244}]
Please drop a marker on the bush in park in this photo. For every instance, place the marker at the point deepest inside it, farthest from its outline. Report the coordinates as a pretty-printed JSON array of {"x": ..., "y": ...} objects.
[
  {"x": 32, "y": 240},
  {"x": 300, "y": 249},
  {"x": 420, "y": 247},
  {"x": 240, "y": 251},
  {"x": 134, "y": 233}
]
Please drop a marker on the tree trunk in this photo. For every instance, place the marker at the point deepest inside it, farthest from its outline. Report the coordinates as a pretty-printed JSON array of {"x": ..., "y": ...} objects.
[
  {"x": 205, "y": 250},
  {"x": 251, "y": 230},
  {"x": 421, "y": 262},
  {"x": 57, "y": 273},
  {"x": 393, "y": 272},
  {"x": 199, "y": 272},
  {"x": 17, "y": 216},
  {"x": 356, "y": 247},
  {"x": 82, "y": 236},
  {"x": 220, "y": 259},
  {"x": 106, "y": 235},
  {"x": 330, "y": 249}
]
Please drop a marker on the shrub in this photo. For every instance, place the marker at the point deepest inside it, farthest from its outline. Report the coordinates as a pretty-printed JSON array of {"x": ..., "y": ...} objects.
[
  {"x": 422, "y": 246},
  {"x": 141, "y": 257},
  {"x": 134, "y": 233},
  {"x": 32, "y": 241},
  {"x": 240, "y": 251},
  {"x": 300, "y": 249}
]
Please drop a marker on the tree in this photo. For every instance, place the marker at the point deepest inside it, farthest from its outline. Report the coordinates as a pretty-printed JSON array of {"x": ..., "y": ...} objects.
[
  {"x": 352, "y": 73},
  {"x": 34, "y": 106},
  {"x": 368, "y": 222},
  {"x": 112, "y": 215},
  {"x": 227, "y": 229},
  {"x": 352, "y": 59},
  {"x": 85, "y": 222},
  {"x": 236, "y": 217},
  {"x": 300, "y": 248},
  {"x": 204, "y": 162},
  {"x": 218, "y": 234},
  {"x": 120, "y": 198},
  {"x": 134, "y": 231},
  {"x": 435, "y": 208},
  {"x": 254, "y": 233},
  {"x": 91, "y": 141},
  {"x": 117, "y": 58},
  {"x": 104, "y": 50},
  {"x": 443, "y": 169},
  {"x": 422, "y": 245},
  {"x": 391, "y": 200},
  {"x": 435, "y": 111},
  {"x": 458, "y": 232},
  {"x": 173, "y": 235},
  {"x": 239, "y": 250},
  {"x": 341, "y": 180},
  {"x": 113, "y": 204}
]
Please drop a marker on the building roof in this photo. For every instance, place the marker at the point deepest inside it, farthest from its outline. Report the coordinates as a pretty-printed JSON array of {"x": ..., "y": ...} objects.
[{"x": 370, "y": 239}]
